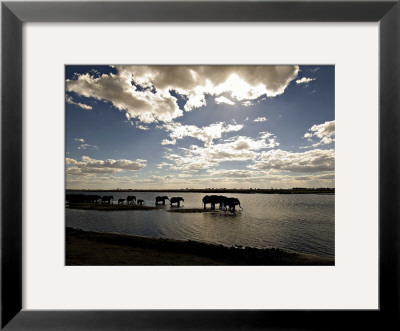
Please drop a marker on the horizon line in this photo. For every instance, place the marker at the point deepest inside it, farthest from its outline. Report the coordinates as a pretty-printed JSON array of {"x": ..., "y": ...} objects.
[{"x": 200, "y": 189}]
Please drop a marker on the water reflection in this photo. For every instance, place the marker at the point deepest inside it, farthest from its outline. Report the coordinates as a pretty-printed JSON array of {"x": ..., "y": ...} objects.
[{"x": 303, "y": 223}]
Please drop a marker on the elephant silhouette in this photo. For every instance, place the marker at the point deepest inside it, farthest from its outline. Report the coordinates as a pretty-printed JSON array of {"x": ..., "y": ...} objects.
[
  {"x": 107, "y": 198},
  {"x": 214, "y": 199},
  {"x": 176, "y": 200},
  {"x": 130, "y": 199},
  {"x": 76, "y": 198},
  {"x": 140, "y": 202},
  {"x": 231, "y": 203},
  {"x": 93, "y": 198},
  {"x": 121, "y": 201},
  {"x": 161, "y": 199}
]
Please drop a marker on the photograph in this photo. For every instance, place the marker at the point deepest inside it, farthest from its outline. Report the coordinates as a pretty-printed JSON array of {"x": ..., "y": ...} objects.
[
  {"x": 199, "y": 183},
  {"x": 189, "y": 165}
]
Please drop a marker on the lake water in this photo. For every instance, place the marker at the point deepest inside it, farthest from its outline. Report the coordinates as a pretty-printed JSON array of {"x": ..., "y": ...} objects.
[{"x": 302, "y": 223}]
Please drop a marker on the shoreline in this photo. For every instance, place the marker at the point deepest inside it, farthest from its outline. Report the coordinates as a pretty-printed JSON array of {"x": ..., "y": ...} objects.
[
  {"x": 328, "y": 191},
  {"x": 111, "y": 249},
  {"x": 118, "y": 207}
]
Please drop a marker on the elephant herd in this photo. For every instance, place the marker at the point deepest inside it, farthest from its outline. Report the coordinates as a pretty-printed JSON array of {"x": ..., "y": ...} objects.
[
  {"x": 105, "y": 199},
  {"x": 223, "y": 201},
  {"x": 130, "y": 200},
  {"x": 109, "y": 199},
  {"x": 173, "y": 200}
]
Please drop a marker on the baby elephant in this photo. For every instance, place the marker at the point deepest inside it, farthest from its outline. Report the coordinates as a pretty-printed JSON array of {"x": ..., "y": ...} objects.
[
  {"x": 121, "y": 201},
  {"x": 140, "y": 202},
  {"x": 176, "y": 200}
]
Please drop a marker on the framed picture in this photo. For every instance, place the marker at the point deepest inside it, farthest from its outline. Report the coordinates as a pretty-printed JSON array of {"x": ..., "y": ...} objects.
[{"x": 177, "y": 139}]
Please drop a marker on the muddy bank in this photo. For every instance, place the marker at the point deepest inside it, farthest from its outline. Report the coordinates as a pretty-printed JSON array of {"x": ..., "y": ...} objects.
[{"x": 93, "y": 248}]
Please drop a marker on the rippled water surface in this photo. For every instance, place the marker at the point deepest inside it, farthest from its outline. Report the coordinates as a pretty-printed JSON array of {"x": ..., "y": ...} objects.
[{"x": 295, "y": 222}]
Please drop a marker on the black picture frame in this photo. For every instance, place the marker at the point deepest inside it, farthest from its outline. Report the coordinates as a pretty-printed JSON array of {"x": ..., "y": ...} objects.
[{"x": 14, "y": 14}]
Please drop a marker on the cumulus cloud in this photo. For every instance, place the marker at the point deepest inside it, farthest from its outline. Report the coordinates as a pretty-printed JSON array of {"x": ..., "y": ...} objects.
[
  {"x": 70, "y": 161},
  {"x": 260, "y": 119},
  {"x": 81, "y": 105},
  {"x": 88, "y": 146},
  {"x": 85, "y": 145},
  {"x": 144, "y": 92},
  {"x": 324, "y": 132},
  {"x": 239, "y": 148},
  {"x": 142, "y": 127},
  {"x": 206, "y": 134},
  {"x": 163, "y": 164},
  {"x": 222, "y": 99},
  {"x": 146, "y": 106},
  {"x": 92, "y": 166},
  {"x": 168, "y": 142},
  {"x": 266, "y": 140},
  {"x": 234, "y": 173},
  {"x": 316, "y": 160},
  {"x": 305, "y": 80},
  {"x": 159, "y": 178}
]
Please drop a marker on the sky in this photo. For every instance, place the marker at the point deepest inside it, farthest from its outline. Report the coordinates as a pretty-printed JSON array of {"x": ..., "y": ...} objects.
[{"x": 177, "y": 127}]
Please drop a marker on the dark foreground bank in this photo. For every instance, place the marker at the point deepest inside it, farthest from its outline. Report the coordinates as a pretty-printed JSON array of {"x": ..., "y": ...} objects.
[{"x": 94, "y": 248}]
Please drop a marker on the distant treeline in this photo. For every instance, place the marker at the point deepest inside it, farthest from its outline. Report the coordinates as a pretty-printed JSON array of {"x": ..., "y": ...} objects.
[{"x": 294, "y": 190}]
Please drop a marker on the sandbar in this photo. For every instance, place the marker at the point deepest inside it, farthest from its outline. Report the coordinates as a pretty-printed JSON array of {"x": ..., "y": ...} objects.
[{"x": 107, "y": 207}]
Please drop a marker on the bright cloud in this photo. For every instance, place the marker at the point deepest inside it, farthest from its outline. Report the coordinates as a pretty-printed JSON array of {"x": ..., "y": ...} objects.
[
  {"x": 316, "y": 160},
  {"x": 142, "y": 127},
  {"x": 88, "y": 146},
  {"x": 260, "y": 119},
  {"x": 81, "y": 105},
  {"x": 85, "y": 145},
  {"x": 168, "y": 142},
  {"x": 305, "y": 80},
  {"x": 222, "y": 99},
  {"x": 159, "y": 178},
  {"x": 247, "y": 103},
  {"x": 206, "y": 134},
  {"x": 146, "y": 106},
  {"x": 238, "y": 148},
  {"x": 143, "y": 92},
  {"x": 325, "y": 132},
  {"x": 232, "y": 173},
  {"x": 92, "y": 166}
]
